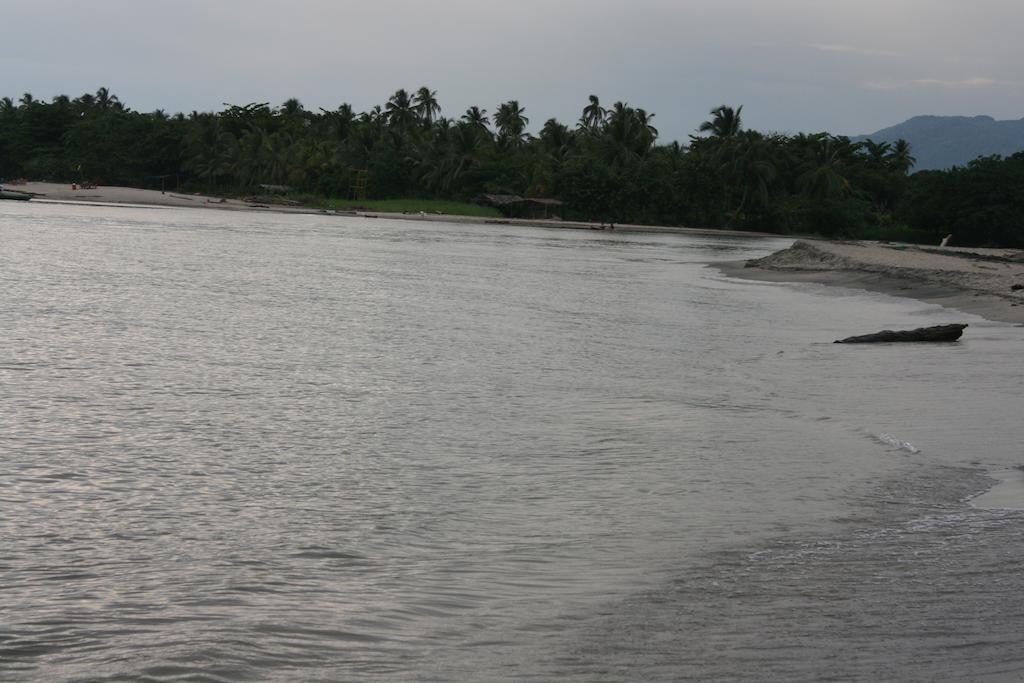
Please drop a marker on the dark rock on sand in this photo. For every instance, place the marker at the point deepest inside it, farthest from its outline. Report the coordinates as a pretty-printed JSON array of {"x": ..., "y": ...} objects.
[{"x": 938, "y": 333}]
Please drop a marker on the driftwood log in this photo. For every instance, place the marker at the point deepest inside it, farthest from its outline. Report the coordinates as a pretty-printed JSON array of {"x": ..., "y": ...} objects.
[{"x": 938, "y": 333}]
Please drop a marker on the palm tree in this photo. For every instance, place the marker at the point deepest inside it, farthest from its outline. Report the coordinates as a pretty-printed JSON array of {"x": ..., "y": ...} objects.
[
  {"x": 27, "y": 100},
  {"x": 274, "y": 156},
  {"x": 475, "y": 116},
  {"x": 877, "y": 151},
  {"x": 445, "y": 162},
  {"x": 208, "y": 149},
  {"x": 399, "y": 109},
  {"x": 593, "y": 114},
  {"x": 645, "y": 120},
  {"x": 85, "y": 103},
  {"x": 340, "y": 121},
  {"x": 291, "y": 107},
  {"x": 725, "y": 122},
  {"x": 6, "y": 105},
  {"x": 555, "y": 138},
  {"x": 822, "y": 176},
  {"x": 621, "y": 138},
  {"x": 627, "y": 134},
  {"x": 105, "y": 101},
  {"x": 376, "y": 114},
  {"x": 674, "y": 152},
  {"x": 873, "y": 175},
  {"x": 554, "y": 144},
  {"x": 425, "y": 105},
  {"x": 511, "y": 123},
  {"x": 751, "y": 164},
  {"x": 900, "y": 157},
  {"x": 245, "y": 158}
]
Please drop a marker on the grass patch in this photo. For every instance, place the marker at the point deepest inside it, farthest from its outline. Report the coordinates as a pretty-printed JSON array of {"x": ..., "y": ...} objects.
[{"x": 434, "y": 206}]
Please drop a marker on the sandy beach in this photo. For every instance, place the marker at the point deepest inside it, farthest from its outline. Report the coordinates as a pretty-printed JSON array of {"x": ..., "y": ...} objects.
[
  {"x": 130, "y": 196},
  {"x": 63, "y": 192},
  {"x": 974, "y": 280}
]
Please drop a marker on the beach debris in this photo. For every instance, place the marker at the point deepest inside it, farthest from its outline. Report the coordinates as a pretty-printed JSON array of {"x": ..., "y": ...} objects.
[{"x": 936, "y": 333}]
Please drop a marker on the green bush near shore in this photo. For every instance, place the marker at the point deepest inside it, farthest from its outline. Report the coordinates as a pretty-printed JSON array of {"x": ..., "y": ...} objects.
[{"x": 895, "y": 233}]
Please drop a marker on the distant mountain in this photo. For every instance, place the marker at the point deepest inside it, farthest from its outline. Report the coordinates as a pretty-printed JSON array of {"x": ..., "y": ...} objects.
[{"x": 940, "y": 142}]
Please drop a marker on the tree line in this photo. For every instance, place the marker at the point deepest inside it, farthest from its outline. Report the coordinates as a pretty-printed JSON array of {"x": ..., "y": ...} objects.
[{"x": 608, "y": 165}]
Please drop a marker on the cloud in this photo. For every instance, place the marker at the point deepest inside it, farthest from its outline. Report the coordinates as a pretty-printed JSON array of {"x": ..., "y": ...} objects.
[
  {"x": 947, "y": 84},
  {"x": 849, "y": 49},
  {"x": 976, "y": 82}
]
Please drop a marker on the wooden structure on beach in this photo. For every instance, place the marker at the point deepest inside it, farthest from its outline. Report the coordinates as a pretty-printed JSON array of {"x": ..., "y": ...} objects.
[
  {"x": 520, "y": 207},
  {"x": 359, "y": 183}
]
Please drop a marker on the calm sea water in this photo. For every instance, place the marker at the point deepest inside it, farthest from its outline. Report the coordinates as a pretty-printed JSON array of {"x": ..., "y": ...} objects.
[{"x": 262, "y": 447}]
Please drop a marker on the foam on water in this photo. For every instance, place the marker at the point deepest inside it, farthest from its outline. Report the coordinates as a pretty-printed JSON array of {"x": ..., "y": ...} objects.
[{"x": 890, "y": 440}]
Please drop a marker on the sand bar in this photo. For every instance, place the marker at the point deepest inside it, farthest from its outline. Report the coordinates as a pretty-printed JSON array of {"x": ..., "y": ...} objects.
[{"x": 979, "y": 281}]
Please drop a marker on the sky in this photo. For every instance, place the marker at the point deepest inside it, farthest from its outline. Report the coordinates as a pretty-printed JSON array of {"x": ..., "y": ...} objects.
[{"x": 847, "y": 67}]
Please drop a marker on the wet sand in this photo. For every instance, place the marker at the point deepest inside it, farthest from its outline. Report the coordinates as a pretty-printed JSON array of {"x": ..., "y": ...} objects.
[
  {"x": 1007, "y": 494},
  {"x": 979, "y": 281},
  {"x": 63, "y": 192}
]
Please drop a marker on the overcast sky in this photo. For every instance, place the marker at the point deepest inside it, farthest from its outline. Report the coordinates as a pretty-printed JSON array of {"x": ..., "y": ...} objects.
[{"x": 848, "y": 67}]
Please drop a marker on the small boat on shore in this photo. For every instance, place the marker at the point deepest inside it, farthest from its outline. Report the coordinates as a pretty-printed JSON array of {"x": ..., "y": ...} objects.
[{"x": 7, "y": 194}]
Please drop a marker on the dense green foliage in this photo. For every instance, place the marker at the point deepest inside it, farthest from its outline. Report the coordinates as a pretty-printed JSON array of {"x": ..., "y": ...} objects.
[
  {"x": 608, "y": 166},
  {"x": 980, "y": 204}
]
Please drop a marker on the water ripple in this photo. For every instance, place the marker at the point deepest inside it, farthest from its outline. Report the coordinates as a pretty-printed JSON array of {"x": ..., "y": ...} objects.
[{"x": 254, "y": 447}]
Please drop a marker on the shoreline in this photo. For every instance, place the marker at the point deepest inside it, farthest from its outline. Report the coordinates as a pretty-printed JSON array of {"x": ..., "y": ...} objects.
[
  {"x": 976, "y": 281},
  {"x": 61, "y": 193}
]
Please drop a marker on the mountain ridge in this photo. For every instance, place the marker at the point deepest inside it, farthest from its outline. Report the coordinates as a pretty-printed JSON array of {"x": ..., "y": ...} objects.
[{"x": 941, "y": 142}]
